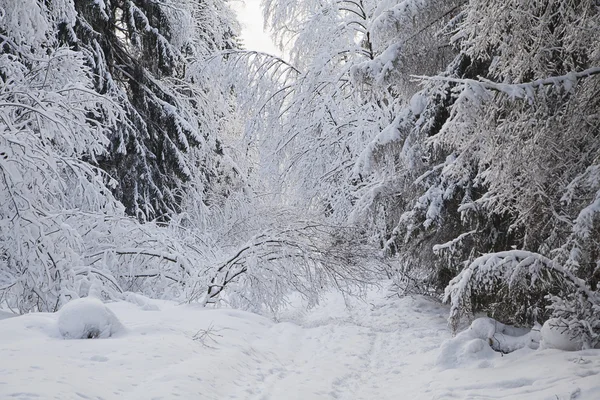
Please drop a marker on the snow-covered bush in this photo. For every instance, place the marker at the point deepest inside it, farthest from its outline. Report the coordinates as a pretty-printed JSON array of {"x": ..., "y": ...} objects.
[
  {"x": 88, "y": 318},
  {"x": 515, "y": 286},
  {"x": 577, "y": 315},
  {"x": 553, "y": 336},
  {"x": 482, "y": 341}
]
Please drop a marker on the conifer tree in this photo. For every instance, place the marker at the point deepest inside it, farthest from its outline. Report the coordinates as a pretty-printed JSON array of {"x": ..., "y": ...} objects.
[{"x": 140, "y": 52}]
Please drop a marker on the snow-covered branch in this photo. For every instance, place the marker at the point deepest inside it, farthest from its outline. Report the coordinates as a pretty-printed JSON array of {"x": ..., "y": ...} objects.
[
  {"x": 514, "y": 281},
  {"x": 519, "y": 90}
]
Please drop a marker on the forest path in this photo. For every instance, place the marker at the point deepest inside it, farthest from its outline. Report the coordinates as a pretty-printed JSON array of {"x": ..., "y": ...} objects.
[{"x": 378, "y": 348}]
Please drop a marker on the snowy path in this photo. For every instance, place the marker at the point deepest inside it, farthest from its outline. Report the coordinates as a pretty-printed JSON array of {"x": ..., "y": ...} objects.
[
  {"x": 377, "y": 354},
  {"x": 379, "y": 349}
]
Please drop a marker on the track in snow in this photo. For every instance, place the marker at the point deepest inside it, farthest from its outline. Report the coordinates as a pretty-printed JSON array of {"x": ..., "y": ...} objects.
[
  {"x": 379, "y": 348},
  {"x": 370, "y": 351}
]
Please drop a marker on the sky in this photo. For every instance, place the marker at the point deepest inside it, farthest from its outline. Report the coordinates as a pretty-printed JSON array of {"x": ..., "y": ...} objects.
[{"x": 250, "y": 17}]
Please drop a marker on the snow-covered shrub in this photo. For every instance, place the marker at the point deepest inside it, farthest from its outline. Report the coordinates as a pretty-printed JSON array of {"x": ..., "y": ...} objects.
[
  {"x": 482, "y": 341},
  {"x": 512, "y": 286},
  {"x": 555, "y": 335},
  {"x": 577, "y": 315},
  {"x": 524, "y": 288},
  {"x": 88, "y": 318},
  {"x": 141, "y": 301}
]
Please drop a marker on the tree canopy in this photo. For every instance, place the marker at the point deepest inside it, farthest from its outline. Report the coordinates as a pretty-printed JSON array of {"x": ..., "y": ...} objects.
[{"x": 451, "y": 146}]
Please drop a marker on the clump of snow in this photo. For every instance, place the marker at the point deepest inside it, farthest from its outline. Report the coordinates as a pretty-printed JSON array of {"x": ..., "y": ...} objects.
[
  {"x": 465, "y": 349},
  {"x": 418, "y": 103},
  {"x": 555, "y": 337},
  {"x": 88, "y": 318},
  {"x": 141, "y": 301},
  {"x": 378, "y": 69},
  {"x": 485, "y": 339}
]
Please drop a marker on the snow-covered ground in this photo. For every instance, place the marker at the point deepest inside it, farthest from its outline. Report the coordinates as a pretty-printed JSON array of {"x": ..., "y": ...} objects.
[{"x": 381, "y": 348}]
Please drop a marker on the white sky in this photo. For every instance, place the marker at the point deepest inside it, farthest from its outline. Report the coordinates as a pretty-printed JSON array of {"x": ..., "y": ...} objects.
[{"x": 250, "y": 17}]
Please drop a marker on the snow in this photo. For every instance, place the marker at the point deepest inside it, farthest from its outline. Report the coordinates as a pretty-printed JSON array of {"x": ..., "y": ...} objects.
[
  {"x": 6, "y": 314},
  {"x": 418, "y": 103},
  {"x": 88, "y": 318},
  {"x": 484, "y": 340},
  {"x": 555, "y": 337},
  {"x": 380, "y": 348}
]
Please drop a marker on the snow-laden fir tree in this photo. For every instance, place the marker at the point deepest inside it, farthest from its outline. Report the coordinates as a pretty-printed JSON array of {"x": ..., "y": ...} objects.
[
  {"x": 49, "y": 126},
  {"x": 503, "y": 140},
  {"x": 140, "y": 53}
]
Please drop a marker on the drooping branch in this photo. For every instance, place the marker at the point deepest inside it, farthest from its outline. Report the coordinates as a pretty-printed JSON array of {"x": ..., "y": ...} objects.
[
  {"x": 511, "y": 269},
  {"x": 299, "y": 257},
  {"x": 254, "y": 53}
]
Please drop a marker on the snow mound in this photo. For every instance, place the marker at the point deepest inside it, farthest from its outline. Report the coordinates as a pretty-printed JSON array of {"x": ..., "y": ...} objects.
[
  {"x": 463, "y": 350},
  {"x": 6, "y": 314},
  {"x": 88, "y": 318},
  {"x": 485, "y": 339},
  {"x": 142, "y": 302},
  {"x": 555, "y": 337}
]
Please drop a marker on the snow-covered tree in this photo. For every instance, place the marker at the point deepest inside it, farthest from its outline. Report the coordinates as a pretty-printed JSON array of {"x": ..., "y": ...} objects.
[
  {"x": 65, "y": 113},
  {"x": 49, "y": 127},
  {"x": 396, "y": 178},
  {"x": 262, "y": 251},
  {"x": 518, "y": 139},
  {"x": 496, "y": 151},
  {"x": 321, "y": 121},
  {"x": 140, "y": 53}
]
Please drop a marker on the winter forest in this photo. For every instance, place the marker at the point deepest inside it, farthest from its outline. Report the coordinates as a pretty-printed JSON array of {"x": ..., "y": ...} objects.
[{"x": 444, "y": 150}]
